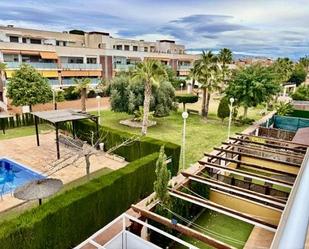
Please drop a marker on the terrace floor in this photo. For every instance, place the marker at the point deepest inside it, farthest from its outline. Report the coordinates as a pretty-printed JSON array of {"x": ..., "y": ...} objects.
[{"x": 43, "y": 158}]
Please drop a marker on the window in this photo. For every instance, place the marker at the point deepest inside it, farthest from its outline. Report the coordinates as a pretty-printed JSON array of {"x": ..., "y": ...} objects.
[
  {"x": 119, "y": 47},
  {"x": 126, "y": 47},
  {"x": 24, "y": 40},
  {"x": 10, "y": 57},
  {"x": 91, "y": 60},
  {"x": 135, "y": 48},
  {"x": 145, "y": 49},
  {"x": 74, "y": 60},
  {"x": 35, "y": 41},
  {"x": 14, "y": 39}
]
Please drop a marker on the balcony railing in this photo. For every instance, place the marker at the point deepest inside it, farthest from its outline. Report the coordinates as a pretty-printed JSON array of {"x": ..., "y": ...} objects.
[
  {"x": 71, "y": 82},
  {"x": 37, "y": 65},
  {"x": 185, "y": 67},
  {"x": 80, "y": 66},
  {"x": 124, "y": 66}
]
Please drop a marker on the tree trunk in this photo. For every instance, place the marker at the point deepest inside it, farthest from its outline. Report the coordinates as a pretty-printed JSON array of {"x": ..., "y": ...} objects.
[
  {"x": 245, "y": 111},
  {"x": 1, "y": 86},
  {"x": 204, "y": 92},
  {"x": 83, "y": 99},
  {"x": 30, "y": 108},
  {"x": 207, "y": 103},
  {"x": 87, "y": 159},
  {"x": 147, "y": 96},
  {"x": 184, "y": 106}
]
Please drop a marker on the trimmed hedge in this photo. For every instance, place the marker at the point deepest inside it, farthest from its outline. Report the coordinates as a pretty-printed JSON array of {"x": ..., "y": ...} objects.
[
  {"x": 71, "y": 217},
  {"x": 186, "y": 98},
  {"x": 134, "y": 151},
  {"x": 299, "y": 114}
]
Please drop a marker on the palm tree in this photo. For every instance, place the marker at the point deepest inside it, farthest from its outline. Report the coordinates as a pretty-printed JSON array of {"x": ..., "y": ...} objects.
[
  {"x": 2, "y": 70},
  {"x": 82, "y": 87},
  {"x": 283, "y": 68},
  {"x": 150, "y": 72},
  {"x": 225, "y": 57},
  {"x": 206, "y": 73}
]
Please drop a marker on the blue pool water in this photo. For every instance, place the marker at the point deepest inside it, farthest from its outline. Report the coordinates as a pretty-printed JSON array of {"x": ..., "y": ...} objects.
[{"x": 13, "y": 175}]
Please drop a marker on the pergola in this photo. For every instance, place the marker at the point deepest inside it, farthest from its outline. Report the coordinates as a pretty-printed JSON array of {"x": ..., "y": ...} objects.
[{"x": 56, "y": 117}]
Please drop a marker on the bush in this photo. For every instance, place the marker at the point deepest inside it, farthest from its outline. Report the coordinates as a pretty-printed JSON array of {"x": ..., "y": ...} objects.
[
  {"x": 299, "y": 75},
  {"x": 70, "y": 93},
  {"x": 223, "y": 109},
  {"x": 301, "y": 93},
  {"x": 284, "y": 109},
  {"x": 140, "y": 148},
  {"x": 71, "y": 217},
  {"x": 244, "y": 121},
  {"x": 186, "y": 98}
]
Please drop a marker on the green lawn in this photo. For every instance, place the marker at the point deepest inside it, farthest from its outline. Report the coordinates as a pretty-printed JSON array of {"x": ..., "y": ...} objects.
[
  {"x": 221, "y": 227},
  {"x": 23, "y": 131}
]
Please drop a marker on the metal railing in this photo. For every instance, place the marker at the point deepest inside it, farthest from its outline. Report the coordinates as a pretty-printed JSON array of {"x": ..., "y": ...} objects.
[
  {"x": 37, "y": 65},
  {"x": 79, "y": 66},
  {"x": 185, "y": 67},
  {"x": 124, "y": 66}
]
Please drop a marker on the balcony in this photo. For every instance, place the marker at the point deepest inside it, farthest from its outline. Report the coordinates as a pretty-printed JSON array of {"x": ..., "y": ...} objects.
[
  {"x": 71, "y": 82},
  {"x": 184, "y": 67},
  {"x": 36, "y": 65},
  {"x": 80, "y": 66},
  {"x": 124, "y": 67}
]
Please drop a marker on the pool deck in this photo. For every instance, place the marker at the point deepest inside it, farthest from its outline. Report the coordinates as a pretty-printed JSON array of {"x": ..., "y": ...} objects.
[{"x": 24, "y": 150}]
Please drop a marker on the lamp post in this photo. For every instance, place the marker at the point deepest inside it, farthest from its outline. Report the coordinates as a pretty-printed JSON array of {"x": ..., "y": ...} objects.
[
  {"x": 184, "y": 115},
  {"x": 181, "y": 85},
  {"x": 230, "y": 117},
  {"x": 99, "y": 107}
]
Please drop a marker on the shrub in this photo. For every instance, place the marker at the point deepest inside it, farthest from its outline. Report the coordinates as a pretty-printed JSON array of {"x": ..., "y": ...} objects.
[
  {"x": 186, "y": 98},
  {"x": 71, "y": 217},
  {"x": 244, "y": 121},
  {"x": 284, "y": 109},
  {"x": 299, "y": 75},
  {"x": 70, "y": 93},
  {"x": 301, "y": 93},
  {"x": 223, "y": 109}
]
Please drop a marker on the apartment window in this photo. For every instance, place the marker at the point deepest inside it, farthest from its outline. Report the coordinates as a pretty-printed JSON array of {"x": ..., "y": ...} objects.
[
  {"x": 57, "y": 43},
  {"x": 119, "y": 47},
  {"x": 35, "y": 41},
  {"x": 24, "y": 40},
  {"x": 91, "y": 60},
  {"x": 74, "y": 60},
  {"x": 145, "y": 49},
  {"x": 64, "y": 43},
  {"x": 135, "y": 48},
  {"x": 126, "y": 47},
  {"x": 14, "y": 39},
  {"x": 10, "y": 57}
]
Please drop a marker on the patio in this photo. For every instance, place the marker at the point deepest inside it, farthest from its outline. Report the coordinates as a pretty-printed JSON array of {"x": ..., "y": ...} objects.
[{"x": 41, "y": 158}]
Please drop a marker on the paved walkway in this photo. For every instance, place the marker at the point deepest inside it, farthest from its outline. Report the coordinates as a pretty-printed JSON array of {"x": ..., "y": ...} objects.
[
  {"x": 259, "y": 238},
  {"x": 43, "y": 159}
]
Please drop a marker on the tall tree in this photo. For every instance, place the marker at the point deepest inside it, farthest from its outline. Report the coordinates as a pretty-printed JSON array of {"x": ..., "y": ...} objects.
[
  {"x": 150, "y": 72},
  {"x": 28, "y": 87},
  {"x": 299, "y": 74},
  {"x": 252, "y": 85},
  {"x": 305, "y": 62},
  {"x": 82, "y": 87},
  {"x": 283, "y": 68},
  {"x": 206, "y": 72},
  {"x": 225, "y": 57},
  {"x": 2, "y": 70}
]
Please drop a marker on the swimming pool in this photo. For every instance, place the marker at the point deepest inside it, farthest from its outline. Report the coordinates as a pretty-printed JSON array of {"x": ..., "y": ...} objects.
[{"x": 13, "y": 175}]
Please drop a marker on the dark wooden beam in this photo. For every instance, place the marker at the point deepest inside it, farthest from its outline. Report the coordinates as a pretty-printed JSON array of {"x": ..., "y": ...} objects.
[
  {"x": 247, "y": 174},
  {"x": 37, "y": 130},
  {"x": 250, "y": 165},
  {"x": 57, "y": 140},
  {"x": 257, "y": 157},
  {"x": 187, "y": 231},
  {"x": 294, "y": 150}
]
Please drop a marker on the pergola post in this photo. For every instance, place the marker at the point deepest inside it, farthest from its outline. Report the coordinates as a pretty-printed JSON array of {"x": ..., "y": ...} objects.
[
  {"x": 37, "y": 130},
  {"x": 57, "y": 140}
]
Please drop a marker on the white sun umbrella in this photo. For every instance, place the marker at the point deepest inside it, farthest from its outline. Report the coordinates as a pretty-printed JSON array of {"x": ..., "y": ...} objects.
[{"x": 38, "y": 189}]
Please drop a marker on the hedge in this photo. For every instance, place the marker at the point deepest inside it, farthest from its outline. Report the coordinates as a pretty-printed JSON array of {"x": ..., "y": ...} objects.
[
  {"x": 300, "y": 114},
  {"x": 71, "y": 217},
  {"x": 140, "y": 148},
  {"x": 186, "y": 98}
]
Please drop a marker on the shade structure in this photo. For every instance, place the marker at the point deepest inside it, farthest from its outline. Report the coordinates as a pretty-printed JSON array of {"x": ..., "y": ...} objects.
[{"x": 38, "y": 189}]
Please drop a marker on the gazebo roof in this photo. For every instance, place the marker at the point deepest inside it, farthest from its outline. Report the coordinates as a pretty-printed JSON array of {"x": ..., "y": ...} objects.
[{"x": 57, "y": 116}]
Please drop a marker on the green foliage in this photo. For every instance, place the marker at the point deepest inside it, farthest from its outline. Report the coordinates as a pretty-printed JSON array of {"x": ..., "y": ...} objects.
[
  {"x": 244, "y": 121},
  {"x": 186, "y": 98},
  {"x": 304, "y": 61},
  {"x": 25, "y": 119},
  {"x": 163, "y": 176},
  {"x": 60, "y": 96},
  {"x": 284, "y": 108},
  {"x": 71, "y": 217},
  {"x": 301, "y": 93},
  {"x": 128, "y": 95},
  {"x": 70, "y": 93},
  {"x": 298, "y": 75},
  {"x": 140, "y": 148},
  {"x": 28, "y": 87},
  {"x": 282, "y": 69},
  {"x": 223, "y": 109},
  {"x": 252, "y": 85},
  {"x": 300, "y": 114},
  {"x": 138, "y": 114}
]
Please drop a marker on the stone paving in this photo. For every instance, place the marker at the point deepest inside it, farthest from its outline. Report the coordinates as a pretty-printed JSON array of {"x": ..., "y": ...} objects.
[{"x": 41, "y": 158}]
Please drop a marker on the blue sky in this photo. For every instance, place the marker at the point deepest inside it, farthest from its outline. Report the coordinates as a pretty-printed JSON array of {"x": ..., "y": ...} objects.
[{"x": 257, "y": 27}]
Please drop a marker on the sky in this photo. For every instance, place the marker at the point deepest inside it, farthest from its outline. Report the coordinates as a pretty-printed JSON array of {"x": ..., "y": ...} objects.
[{"x": 272, "y": 28}]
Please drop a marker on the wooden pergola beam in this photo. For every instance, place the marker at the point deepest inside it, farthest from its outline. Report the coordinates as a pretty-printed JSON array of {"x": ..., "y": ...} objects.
[
  {"x": 257, "y": 157},
  {"x": 251, "y": 165},
  {"x": 245, "y": 193},
  {"x": 242, "y": 146},
  {"x": 224, "y": 210},
  {"x": 280, "y": 141},
  {"x": 181, "y": 228},
  {"x": 247, "y": 174}
]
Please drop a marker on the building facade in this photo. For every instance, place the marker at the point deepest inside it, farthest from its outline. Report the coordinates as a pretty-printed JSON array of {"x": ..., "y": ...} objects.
[{"x": 62, "y": 56}]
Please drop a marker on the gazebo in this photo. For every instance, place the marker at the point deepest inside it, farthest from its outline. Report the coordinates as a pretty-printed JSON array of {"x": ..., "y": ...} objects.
[{"x": 57, "y": 117}]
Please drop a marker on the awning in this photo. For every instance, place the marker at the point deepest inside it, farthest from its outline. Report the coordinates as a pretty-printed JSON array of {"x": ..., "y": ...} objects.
[
  {"x": 49, "y": 55},
  {"x": 25, "y": 52},
  {"x": 8, "y": 51}
]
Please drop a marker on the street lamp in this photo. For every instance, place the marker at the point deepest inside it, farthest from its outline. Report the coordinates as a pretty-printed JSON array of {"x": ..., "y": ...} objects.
[
  {"x": 99, "y": 107},
  {"x": 181, "y": 85},
  {"x": 230, "y": 117},
  {"x": 184, "y": 115}
]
